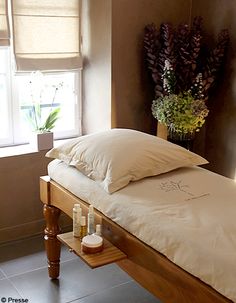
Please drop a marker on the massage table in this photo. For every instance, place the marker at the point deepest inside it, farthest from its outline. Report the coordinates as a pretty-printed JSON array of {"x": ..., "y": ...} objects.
[{"x": 160, "y": 275}]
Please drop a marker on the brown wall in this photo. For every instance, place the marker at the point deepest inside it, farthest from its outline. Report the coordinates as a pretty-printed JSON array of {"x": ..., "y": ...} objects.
[
  {"x": 21, "y": 212},
  {"x": 21, "y": 209},
  {"x": 132, "y": 94},
  {"x": 220, "y": 131},
  {"x": 96, "y": 48},
  {"x": 116, "y": 88}
]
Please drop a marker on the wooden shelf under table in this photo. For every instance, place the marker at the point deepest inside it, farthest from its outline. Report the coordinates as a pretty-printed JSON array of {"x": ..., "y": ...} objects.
[{"x": 109, "y": 254}]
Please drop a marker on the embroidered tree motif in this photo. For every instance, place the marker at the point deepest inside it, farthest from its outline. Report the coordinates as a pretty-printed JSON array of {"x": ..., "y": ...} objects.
[{"x": 175, "y": 186}]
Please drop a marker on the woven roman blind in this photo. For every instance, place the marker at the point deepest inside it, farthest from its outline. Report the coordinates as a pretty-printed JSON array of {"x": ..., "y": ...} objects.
[
  {"x": 46, "y": 34},
  {"x": 4, "y": 24}
]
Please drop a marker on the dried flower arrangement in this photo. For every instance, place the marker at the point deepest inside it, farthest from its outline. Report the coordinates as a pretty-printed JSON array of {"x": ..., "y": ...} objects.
[{"x": 184, "y": 70}]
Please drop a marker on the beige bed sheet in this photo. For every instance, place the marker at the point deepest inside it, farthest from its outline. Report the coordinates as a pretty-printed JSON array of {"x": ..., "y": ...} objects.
[{"x": 188, "y": 215}]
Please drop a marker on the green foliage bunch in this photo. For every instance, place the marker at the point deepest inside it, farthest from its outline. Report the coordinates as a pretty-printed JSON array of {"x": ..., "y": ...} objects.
[
  {"x": 34, "y": 117},
  {"x": 183, "y": 113},
  {"x": 180, "y": 113}
]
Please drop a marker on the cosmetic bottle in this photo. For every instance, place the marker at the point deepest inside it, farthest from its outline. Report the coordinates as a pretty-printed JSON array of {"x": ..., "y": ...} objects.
[
  {"x": 90, "y": 220},
  {"x": 83, "y": 227},
  {"x": 98, "y": 230},
  {"x": 76, "y": 220}
]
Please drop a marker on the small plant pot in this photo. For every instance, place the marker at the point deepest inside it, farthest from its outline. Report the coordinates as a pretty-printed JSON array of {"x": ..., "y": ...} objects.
[
  {"x": 184, "y": 140},
  {"x": 42, "y": 141}
]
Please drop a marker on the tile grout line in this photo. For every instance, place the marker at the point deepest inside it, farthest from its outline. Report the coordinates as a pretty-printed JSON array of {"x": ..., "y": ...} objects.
[
  {"x": 13, "y": 285},
  {"x": 32, "y": 270},
  {"x": 5, "y": 276},
  {"x": 25, "y": 272},
  {"x": 98, "y": 292}
]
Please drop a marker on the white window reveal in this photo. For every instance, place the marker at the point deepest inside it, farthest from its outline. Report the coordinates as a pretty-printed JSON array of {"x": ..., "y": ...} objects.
[{"x": 6, "y": 119}]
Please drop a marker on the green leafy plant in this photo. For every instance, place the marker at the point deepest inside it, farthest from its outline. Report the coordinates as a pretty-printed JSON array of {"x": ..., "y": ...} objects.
[
  {"x": 34, "y": 114},
  {"x": 180, "y": 113},
  {"x": 183, "y": 113}
]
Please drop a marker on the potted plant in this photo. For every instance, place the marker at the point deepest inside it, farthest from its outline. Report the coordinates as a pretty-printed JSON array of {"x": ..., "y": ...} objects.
[
  {"x": 184, "y": 70},
  {"x": 41, "y": 122},
  {"x": 184, "y": 113}
]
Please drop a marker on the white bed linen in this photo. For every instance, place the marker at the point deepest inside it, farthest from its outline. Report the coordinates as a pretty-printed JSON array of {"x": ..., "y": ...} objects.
[{"x": 188, "y": 215}]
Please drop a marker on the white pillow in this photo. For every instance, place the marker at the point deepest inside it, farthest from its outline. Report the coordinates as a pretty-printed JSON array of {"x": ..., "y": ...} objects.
[{"x": 116, "y": 157}]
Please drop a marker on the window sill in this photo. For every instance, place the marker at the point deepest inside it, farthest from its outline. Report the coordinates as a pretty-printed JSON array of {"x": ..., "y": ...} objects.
[{"x": 23, "y": 149}]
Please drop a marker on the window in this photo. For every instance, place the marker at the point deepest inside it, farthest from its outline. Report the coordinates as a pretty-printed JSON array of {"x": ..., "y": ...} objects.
[
  {"x": 16, "y": 100},
  {"x": 39, "y": 35}
]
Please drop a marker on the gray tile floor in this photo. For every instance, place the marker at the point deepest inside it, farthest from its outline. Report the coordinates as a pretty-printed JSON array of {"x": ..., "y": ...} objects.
[{"x": 23, "y": 275}]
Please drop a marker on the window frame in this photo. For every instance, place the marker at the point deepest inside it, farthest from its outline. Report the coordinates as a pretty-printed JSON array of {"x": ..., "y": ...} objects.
[
  {"x": 13, "y": 103},
  {"x": 8, "y": 140}
]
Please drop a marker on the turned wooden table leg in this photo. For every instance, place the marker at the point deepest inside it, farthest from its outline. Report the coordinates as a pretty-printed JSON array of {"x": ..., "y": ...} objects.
[{"x": 52, "y": 245}]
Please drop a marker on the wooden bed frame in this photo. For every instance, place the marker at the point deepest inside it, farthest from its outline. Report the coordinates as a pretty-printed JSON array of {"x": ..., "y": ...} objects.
[{"x": 152, "y": 270}]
